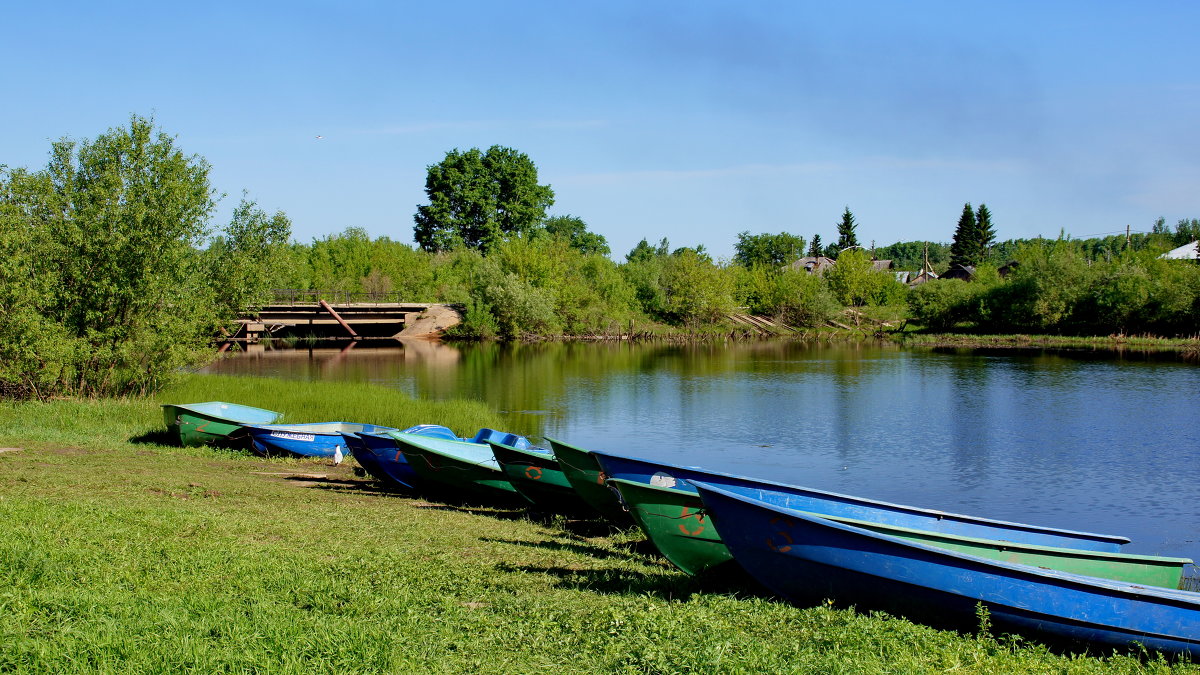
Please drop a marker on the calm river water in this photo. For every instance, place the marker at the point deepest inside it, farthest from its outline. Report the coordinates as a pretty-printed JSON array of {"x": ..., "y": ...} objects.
[{"x": 1079, "y": 440}]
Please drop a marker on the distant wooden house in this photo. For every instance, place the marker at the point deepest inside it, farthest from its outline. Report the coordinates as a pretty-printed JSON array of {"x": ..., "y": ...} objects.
[
  {"x": 964, "y": 272},
  {"x": 922, "y": 276},
  {"x": 813, "y": 265},
  {"x": 881, "y": 265},
  {"x": 1007, "y": 269}
]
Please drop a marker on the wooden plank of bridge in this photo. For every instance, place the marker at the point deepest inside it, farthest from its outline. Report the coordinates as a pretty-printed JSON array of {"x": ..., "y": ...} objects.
[{"x": 327, "y": 308}]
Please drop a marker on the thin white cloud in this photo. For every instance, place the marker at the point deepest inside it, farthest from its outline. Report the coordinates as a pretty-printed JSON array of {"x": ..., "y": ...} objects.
[{"x": 798, "y": 168}]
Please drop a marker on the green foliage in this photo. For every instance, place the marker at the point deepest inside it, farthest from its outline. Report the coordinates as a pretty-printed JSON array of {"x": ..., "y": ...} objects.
[
  {"x": 768, "y": 249},
  {"x": 973, "y": 237},
  {"x": 1056, "y": 289},
  {"x": 962, "y": 251},
  {"x": 694, "y": 290},
  {"x": 575, "y": 232},
  {"x": 854, "y": 281},
  {"x": 794, "y": 298},
  {"x": 1186, "y": 231},
  {"x": 476, "y": 199},
  {"x": 941, "y": 304},
  {"x": 910, "y": 255},
  {"x": 106, "y": 265},
  {"x": 846, "y": 232},
  {"x": 241, "y": 262},
  {"x": 814, "y": 248},
  {"x": 644, "y": 251}
]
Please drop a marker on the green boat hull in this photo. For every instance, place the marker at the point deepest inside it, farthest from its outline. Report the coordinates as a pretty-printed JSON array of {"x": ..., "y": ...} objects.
[
  {"x": 455, "y": 476},
  {"x": 192, "y": 427},
  {"x": 538, "y": 477},
  {"x": 674, "y": 521},
  {"x": 584, "y": 474},
  {"x": 676, "y": 524}
]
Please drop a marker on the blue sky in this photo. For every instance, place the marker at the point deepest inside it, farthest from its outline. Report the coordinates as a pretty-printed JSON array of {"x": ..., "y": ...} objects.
[{"x": 691, "y": 120}]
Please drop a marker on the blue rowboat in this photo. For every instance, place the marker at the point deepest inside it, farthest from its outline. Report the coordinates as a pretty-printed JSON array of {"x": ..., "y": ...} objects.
[
  {"x": 846, "y": 506},
  {"x": 806, "y": 559},
  {"x": 380, "y": 456},
  {"x": 464, "y": 467},
  {"x": 322, "y": 439},
  {"x": 211, "y": 422}
]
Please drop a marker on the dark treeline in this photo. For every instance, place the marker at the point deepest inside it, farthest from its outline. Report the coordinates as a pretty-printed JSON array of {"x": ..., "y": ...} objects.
[{"x": 112, "y": 278}]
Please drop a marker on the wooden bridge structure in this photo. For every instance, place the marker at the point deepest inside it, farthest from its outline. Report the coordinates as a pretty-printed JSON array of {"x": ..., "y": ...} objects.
[{"x": 337, "y": 315}]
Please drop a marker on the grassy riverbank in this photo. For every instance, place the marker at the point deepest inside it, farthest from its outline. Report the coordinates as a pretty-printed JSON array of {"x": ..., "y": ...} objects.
[
  {"x": 119, "y": 554},
  {"x": 1114, "y": 343}
]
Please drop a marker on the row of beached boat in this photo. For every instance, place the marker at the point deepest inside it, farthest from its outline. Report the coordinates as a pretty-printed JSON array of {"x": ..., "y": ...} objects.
[{"x": 805, "y": 545}]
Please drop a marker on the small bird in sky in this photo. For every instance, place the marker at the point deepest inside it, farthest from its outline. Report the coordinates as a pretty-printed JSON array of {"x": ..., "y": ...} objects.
[{"x": 320, "y": 137}]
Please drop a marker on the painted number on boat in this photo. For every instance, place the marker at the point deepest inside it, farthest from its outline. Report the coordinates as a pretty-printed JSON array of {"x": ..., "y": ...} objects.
[{"x": 293, "y": 436}]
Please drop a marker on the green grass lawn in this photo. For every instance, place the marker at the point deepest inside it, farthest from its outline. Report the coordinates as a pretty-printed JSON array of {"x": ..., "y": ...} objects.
[{"x": 121, "y": 555}]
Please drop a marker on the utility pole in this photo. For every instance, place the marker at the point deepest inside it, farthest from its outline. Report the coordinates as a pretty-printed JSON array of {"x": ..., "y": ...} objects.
[{"x": 1126, "y": 237}]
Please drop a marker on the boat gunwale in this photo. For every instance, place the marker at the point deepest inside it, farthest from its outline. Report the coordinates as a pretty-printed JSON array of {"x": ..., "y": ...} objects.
[
  {"x": 1178, "y": 597},
  {"x": 308, "y": 428},
  {"x": 999, "y": 543},
  {"x": 485, "y": 463},
  {"x": 192, "y": 408},
  {"x": 941, "y": 515}
]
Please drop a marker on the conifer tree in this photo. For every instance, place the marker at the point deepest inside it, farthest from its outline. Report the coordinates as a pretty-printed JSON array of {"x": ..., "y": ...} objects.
[
  {"x": 985, "y": 234},
  {"x": 814, "y": 249},
  {"x": 846, "y": 236},
  {"x": 962, "y": 249}
]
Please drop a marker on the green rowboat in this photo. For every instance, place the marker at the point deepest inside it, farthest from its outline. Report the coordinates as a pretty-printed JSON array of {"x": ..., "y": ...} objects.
[
  {"x": 677, "y": 524},
  {"x": 584, "y": 474},
  {"x": 200, "y": 423},
  {"x": 674, "y": 520},
  {"x": 538, "y": 476}
]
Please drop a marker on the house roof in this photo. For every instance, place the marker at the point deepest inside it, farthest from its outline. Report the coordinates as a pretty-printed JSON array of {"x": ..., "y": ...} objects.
[
  {"x": 960, "y": 272},
  {"x": 812, "y": 264},
  {"x": 1185, "y": 252}
]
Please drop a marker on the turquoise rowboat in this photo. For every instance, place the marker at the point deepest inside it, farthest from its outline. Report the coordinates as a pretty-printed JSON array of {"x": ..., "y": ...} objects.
[
  {"x": 211, "y": 422},
  {"x": 460, "y": 468}
]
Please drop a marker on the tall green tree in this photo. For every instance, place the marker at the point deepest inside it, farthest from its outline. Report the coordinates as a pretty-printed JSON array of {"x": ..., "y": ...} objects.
[
  {"x": 476, "y": 199},
  {"x": 847, "y": 238},
  {"x": 814, "y": 248},
  {"x": 239, "y": 258},
  {"x": 575, "y": 232},
  {"x": 963, "y": 249},
  {"x": 644, "y": 251},
  {"x": 115, "y": 225},
  {"x": 985, "y": 233},
  {"x": 768, "y": 249},
  {"x": 973, "y": 237}
]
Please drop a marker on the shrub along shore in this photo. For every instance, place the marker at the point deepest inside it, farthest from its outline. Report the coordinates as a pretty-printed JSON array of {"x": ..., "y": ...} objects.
[{"x": 118, "y": 553}]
